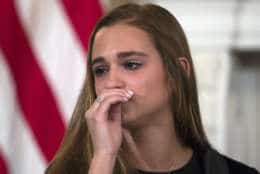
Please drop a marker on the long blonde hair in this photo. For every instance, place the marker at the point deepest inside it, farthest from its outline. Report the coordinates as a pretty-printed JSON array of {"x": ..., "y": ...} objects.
[{"x": 167, "y": 35}]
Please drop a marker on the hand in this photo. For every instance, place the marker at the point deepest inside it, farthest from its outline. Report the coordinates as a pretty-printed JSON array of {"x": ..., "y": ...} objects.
[{"x": 104, "y": 121}]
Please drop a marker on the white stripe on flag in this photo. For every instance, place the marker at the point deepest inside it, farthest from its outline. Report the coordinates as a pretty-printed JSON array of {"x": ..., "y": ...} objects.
[{"x": 59, "y": 53}]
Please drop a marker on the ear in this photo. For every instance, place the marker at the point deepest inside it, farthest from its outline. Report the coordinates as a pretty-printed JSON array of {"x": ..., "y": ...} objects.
[{"x": 185, "y": 65}]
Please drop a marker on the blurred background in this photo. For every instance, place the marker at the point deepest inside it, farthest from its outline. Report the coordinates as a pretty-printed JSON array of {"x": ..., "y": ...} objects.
[{"x": 43, "y": 48}]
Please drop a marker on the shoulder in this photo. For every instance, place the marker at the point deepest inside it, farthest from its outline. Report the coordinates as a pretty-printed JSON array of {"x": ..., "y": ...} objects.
[
  {"x": 215, "y": 162},
  {"x": 236, "y": 167}
]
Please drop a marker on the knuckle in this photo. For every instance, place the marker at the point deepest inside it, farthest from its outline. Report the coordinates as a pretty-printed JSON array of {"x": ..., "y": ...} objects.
[{"x": 89, "y": 114}]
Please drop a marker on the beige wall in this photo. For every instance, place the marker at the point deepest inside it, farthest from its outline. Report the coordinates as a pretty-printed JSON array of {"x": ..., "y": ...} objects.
[{"x": 243, "y": 131}]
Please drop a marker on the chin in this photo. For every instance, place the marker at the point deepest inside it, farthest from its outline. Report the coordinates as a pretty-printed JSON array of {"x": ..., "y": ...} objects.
[
  {"x": 134, "y": 121},
  {"x": 129, "y": 119},
  {"x": 134, "y": 117}
]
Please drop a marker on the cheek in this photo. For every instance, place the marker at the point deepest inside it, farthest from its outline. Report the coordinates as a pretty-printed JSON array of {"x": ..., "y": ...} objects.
[
  {"x": 138, "y": 84},
  {"x": 157, "y": 87},
  {"x": 147, "y": 87},
  {"x": 149, "y": 83}
]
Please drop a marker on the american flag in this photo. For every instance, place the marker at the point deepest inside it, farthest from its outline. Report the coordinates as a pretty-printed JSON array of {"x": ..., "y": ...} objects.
[{"x": 43, "y": 46}]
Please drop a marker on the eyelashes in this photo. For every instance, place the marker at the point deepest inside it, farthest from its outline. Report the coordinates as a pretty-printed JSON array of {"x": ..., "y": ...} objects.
[
  {"x": 100, "y": 70},
  {"x": 129, "y": 65},
  {"x": 132, "y": 65}
]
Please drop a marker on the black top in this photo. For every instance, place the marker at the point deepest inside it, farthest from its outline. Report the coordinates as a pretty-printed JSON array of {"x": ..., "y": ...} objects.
[
  {"x": 210, "y": 162},
  {"x": 192, "y": 167}
]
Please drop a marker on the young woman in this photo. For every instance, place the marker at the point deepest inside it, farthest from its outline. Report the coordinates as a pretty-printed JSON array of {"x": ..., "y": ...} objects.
[{"x": 138, "y": 111}]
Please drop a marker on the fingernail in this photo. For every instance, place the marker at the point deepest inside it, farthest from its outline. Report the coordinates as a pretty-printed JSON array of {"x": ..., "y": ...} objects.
[{"x": 131, "y": 93}]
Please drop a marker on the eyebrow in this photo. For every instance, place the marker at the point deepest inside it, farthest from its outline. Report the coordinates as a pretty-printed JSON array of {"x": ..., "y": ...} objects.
[
  {"x": 120, "y": 55},
  {"x": 131, "y": 53},
  {"x": 97, "y": 60}
]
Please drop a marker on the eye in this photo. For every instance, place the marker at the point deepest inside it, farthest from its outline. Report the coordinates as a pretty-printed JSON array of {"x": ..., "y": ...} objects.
[
  {"x": 100, "y": 70},
  {"x": 132, "y": 65}
]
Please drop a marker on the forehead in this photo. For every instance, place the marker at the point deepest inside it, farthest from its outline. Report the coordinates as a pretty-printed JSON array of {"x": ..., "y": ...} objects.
[
  {"x": 121, "y": 37},
  {"x": 121, "y": 29}
]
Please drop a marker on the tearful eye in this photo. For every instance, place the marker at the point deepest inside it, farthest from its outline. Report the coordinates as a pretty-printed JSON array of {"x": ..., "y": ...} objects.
[
  {"x": 132, "y": 65},
  {"x": 100, "y": 70}
]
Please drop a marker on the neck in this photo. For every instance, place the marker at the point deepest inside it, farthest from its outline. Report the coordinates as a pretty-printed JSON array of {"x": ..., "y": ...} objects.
[{"x": 155, "y": 147}]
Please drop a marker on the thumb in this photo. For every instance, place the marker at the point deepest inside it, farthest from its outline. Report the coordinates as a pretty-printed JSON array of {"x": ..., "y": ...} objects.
[
  {"x": 128, "y": 137},
  {"x": 131, "y": 145}
]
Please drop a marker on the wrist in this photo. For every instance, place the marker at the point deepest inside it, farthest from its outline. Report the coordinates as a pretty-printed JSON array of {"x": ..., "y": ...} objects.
[
  {"x": 104, "y": 156},
  {"x": 102, "y": 163}
]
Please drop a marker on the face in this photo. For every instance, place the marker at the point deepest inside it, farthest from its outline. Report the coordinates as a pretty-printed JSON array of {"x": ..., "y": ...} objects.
[{"x": 124, "y": 57}]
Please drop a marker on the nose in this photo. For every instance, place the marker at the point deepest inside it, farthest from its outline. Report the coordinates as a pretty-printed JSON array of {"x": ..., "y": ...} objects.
[{"x": 114, "y": 79}]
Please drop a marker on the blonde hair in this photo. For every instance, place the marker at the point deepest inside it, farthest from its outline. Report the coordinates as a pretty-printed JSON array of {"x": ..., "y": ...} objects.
[{"x": 167, "y": 35}]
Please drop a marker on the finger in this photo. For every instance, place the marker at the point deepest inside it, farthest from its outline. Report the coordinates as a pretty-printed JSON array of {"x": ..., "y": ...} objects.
[
  {"x": 106, "y": 94},
  {"x": 110, "y": 92},
  {"x": 125, "y": 91},
  {"x": 105, "y": 106},
  {"x": 95, "y": 107}
]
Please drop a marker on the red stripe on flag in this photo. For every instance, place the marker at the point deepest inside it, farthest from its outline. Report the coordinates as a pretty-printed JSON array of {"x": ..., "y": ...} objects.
[
  {"x": 3, "y": 166},
  {"x": 35, "y": 97},
  {"x": 83, "y": 15}
]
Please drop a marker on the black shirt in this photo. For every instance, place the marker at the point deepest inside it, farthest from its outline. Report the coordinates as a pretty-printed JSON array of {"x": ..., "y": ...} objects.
[{"x": 192, "y": 167}]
